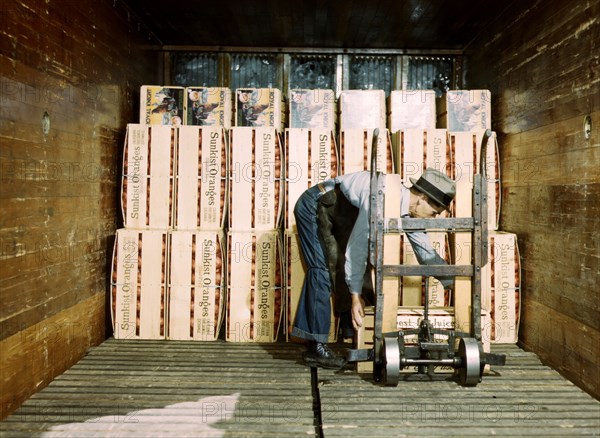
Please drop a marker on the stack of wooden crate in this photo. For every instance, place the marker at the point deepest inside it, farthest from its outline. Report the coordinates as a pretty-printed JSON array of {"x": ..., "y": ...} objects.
[
  {"x": 448, "y": 138},
  {"x": 168, "y": 264},
  {"x": 196, "y": 253},
  {"x": 254, "y": 278},
  {"x": 208, "y": 198},
  {"x": 141, "y": 252},
  {"x": 467, "y": 114},
  {"x": 310, "y": 158},
  {"x": 415, "y": 150}
]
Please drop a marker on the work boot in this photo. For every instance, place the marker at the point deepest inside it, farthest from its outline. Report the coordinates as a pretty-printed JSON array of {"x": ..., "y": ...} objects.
[{"x": 319, "y": 354}]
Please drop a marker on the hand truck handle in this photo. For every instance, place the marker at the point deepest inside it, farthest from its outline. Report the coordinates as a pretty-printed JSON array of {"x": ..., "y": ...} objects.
[
  {"x": 373, "y": 199},
  {"x": 483, "y": 154}
]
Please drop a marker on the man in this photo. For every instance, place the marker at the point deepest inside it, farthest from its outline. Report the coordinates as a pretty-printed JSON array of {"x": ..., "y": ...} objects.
[{"x": 429, "y": 196}]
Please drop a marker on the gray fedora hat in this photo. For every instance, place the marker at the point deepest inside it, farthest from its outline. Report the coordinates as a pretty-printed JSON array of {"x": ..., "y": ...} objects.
[{"x": 436, "y": 185}]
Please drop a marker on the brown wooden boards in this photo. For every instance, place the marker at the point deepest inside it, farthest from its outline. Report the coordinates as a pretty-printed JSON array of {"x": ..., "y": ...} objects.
[
  {"x": 540, "y": 71},
  {"x": 196, "y": 389},
  {"x": 522, "y": 398},
  {"x": 68, "y": 74},
  {"x": 355, "y": 151},
  {"x": 192, "y": 389}
]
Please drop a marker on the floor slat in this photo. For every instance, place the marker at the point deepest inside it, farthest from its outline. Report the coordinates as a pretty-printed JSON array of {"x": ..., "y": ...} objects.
[
  {"x": 174, "y": 389},
  {"x": 218, "y": 389},
  {"x": 523, "y": 398}
]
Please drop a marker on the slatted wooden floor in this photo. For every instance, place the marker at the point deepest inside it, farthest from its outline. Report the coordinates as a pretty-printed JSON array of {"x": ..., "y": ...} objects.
[
  {"x": 521, "y": 399},
  {"x": 173, "y": 389},
  {"x": 185, "y": 389}
]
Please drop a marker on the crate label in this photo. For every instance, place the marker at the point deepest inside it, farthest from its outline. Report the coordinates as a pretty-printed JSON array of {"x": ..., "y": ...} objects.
[
  {"x": 138, "y": 284},
  {"x": 259, "y": 107},
  {"x": 254, "y": 282},
  {"x": 255, "y": 179},
  {"x": 161, "y": 105},
  {"x": 208, "y": 106},
  {"x": 201, "y": 178},
  {"x": 196, "y": 283},
  {"x": 314, "y": 109}
]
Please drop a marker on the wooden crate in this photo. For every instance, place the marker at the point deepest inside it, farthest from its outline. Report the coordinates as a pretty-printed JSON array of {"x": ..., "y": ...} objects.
[
  {"x": 208, "y": 106},
  {"x": 502, "y": 292},
  {"x": 464, "y": 147},
  {"x": 138, "y": 286},
  {"x": 466, "y": 152},
  {"x": 461, "y": 254},
  {"x": 147, "y": 188},
  {"x": 465, "y": 110},
  {"x": 255, "y": 179},
  {"x": 310, "y": 158},
  {"x": 414, "y": 150},
  {"x": 161, "y": 105},
  {"x": 254, "y": 285},
  {"x": 362, "y": 109},
  {"x": 494, "y": 187},
  {"x": 500, "y": 285},
  {"x": 355, "y": 151},
  {"x": 411, "y": 109},
  {"x": 259, "y": 107},
  {"x": 295, "y": 271},
  {"x": 312, "y": 109},
  {"x": 409, "y": 290},
  {"x": 201, "y": 201},
  {"x": 196, "y": 285},
  {"x": 147, "y": 202},
  {"x": 409, "y": 318}
]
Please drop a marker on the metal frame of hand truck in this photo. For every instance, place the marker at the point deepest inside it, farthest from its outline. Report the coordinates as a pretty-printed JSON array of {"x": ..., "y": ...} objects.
[{"x": 390, "y": 353}]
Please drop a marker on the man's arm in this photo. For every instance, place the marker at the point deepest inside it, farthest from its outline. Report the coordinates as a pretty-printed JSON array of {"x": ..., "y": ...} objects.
[
  {"x": 357, "y": 253},
  {"x": 426, "y": 255},
  {"x": 357, "y": 249}
]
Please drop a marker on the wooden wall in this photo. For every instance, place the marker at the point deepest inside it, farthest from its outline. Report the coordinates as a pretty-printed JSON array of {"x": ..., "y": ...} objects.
[
  {"x": 544, "y": 72},
  {"x": 74, "y": 67}
]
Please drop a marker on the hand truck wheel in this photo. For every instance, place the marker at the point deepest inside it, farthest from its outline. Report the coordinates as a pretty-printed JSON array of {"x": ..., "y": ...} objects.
[
  {"x": 391, "y": 361},
  {"x": 469, "y": 373}
]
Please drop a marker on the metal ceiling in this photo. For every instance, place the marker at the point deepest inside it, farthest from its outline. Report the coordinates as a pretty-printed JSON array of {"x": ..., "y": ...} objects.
[{"x": 417, "y": 25}]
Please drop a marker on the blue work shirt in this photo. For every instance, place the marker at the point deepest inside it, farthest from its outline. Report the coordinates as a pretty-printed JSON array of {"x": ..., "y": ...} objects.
[{"x": 357, "y": 188}]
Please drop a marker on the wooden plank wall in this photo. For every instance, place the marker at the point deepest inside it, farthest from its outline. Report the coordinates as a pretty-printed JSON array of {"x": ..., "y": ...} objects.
[
  {"x": 544, "y": 72},
  {"x": 76, "y": 67}
]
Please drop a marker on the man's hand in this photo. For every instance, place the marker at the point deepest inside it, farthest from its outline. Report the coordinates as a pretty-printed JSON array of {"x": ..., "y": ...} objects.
[{"x": 358, "y": 310}]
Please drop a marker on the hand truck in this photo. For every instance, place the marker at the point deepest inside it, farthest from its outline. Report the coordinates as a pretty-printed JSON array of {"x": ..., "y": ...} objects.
[{"x": 391, "y": 353}]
